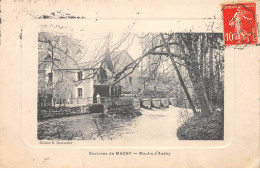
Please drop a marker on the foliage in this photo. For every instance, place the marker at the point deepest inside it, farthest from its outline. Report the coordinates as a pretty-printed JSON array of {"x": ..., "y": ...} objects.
[
  {"x": 96, "y": 108},
  {"x": 124, "y": 110},
  {"x": 201, "y": 127},
  {"x": 62, "y": 88}
]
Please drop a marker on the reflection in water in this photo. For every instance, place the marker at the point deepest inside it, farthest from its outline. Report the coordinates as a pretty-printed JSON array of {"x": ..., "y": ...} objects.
[{"x": 153, "y": 124}]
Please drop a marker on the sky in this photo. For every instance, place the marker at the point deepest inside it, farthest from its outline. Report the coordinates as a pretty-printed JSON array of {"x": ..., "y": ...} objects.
[{"x": 92, "y": 42}]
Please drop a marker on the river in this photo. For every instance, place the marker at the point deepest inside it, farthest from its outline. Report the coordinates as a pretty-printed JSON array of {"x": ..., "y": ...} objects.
[{"x": 155, "y": 123}]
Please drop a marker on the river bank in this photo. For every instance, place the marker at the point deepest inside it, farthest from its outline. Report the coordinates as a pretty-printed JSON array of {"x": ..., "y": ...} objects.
[
  {"x": 152, "y": 124},
  {"x": 59, "y": 112},
  {"x": 111, "y": 111}
]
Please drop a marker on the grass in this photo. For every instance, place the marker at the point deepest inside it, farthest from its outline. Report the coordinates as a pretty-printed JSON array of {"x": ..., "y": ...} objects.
[{"x": 201, "y": 127}]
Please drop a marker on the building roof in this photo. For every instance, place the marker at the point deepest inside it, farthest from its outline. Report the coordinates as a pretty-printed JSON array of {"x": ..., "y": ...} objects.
[
  {"x": 67, "y": 52},
  {"x": 71, "y": 54}
]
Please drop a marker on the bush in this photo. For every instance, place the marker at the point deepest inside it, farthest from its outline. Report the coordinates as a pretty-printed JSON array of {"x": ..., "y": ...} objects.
[
  {"x": 124, "y": 110},
  {"x": 96, "y": 108},
  {"x": 199, "y": 127}
]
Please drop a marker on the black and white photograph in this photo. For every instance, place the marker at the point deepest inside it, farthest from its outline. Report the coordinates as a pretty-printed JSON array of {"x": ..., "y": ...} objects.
[{"x": 130, "y": 86}]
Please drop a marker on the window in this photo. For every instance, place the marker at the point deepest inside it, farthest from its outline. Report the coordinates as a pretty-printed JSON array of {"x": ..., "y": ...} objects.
[
  {"x": 79, "y": 76},
  {"x": 98, "y": 77},
  {"x": 112, "y": 91},
  {"x": 116, "y": 91},
  {"x": 67, "y": 51},
  {"x": 50, "y": 77},
  {"x": 79, "y": 51},
  {"x": 41, "y": 46},
  {"x": 154, "y": 76},
  {"x": 119, "y": 91},
  {"x": 79, "y": 92},
  {"x": 130, "y": 80}
]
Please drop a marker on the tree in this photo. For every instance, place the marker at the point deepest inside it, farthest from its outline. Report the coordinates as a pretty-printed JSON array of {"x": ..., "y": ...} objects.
[
  {"x": 196, "y": 59},
  {"x": 179, "y": 74},
  {"x": 55, "y": 54},
  {"x": 59, "y": 52},
  {"x": 190, "y": 50}
]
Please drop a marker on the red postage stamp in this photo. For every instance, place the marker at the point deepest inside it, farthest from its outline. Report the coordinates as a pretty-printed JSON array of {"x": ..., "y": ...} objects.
[{"x": 240, "y": 25}]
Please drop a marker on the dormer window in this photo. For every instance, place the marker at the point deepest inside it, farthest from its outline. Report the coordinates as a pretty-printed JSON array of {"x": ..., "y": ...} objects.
[
  {"x": 50, "y": 78},
  {"x": 79, "y": 51},
  {"x": 130, "y": 80},
  {"x": 80, "y": 76},
  {"x": 41, "y": 46},
  {"x": 67, "y": 51}
]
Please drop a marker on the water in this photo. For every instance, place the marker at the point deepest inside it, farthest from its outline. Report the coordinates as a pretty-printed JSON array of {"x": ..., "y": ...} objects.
[{"x": 153, "y": 124}]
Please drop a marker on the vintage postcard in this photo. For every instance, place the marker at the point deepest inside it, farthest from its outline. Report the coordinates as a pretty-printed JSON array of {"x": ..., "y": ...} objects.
[{"x": 129, "y": 84}]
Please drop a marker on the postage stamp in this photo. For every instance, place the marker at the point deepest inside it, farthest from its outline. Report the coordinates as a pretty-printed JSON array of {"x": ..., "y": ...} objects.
[{"x": 240, "y": 26}]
